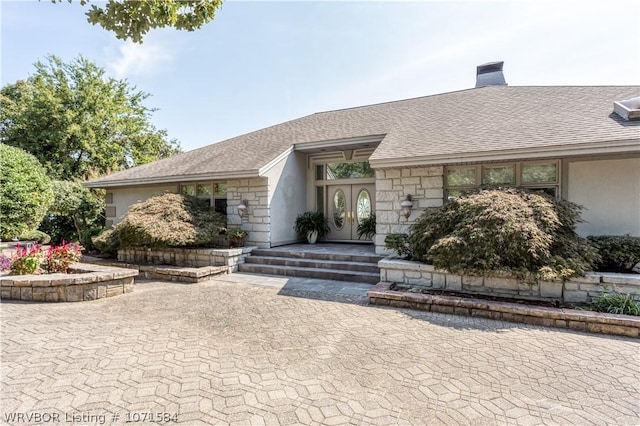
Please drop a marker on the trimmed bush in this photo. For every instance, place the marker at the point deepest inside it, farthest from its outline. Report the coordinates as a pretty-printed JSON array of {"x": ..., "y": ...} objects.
[
  {"x": 504, "y": 231},
  {"x": 35, "y": 235},
  {"x": 25, "y": 192},
  {"x": 617, "y": 253},
  {"x": 167, "y": 220},
  {"x": 237, "y": 237},
  {"x": 399, "y": 243},
  {"x": 107, "y": 242}
]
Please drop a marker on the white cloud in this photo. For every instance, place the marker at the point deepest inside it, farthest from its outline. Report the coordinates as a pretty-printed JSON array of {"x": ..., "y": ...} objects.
[{"x": 134, "y": 59}]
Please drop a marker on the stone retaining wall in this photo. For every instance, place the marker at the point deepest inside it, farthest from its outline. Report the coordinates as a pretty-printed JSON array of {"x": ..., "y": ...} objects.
[
  {"x": 193, "y": 258},
  {"x": 595, "y": 322},
  {"x": 85, "y": 282},
  {"x": 576, "y": 290},
  {"x": 165, "y": 273}
]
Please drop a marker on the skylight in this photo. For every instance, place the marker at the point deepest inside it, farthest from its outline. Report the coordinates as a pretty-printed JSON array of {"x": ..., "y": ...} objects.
[{"x": 628, "y": 109}]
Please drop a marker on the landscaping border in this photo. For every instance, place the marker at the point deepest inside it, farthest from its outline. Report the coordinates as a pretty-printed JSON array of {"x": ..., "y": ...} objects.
[
  {"x": 85, "y": 282},
  {"x": 575, "y": 290},
  {"x": 182, "y": 274},
  {"x": 594, "y": 322},
  {"x": 185, "y": 257}
]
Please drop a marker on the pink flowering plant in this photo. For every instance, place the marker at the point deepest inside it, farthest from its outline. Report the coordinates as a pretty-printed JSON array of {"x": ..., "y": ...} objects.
[
  {"x": 26, "y": 260},
  {"x": 59, "y": 258},
  {"x": 33, "y": 260}
]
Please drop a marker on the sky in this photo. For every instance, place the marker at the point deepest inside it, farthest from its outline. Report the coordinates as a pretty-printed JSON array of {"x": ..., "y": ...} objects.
[{"x": 262, "y": 63}]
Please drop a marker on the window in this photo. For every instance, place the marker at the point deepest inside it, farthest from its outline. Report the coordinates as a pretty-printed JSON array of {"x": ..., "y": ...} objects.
[
  {"x": 542, "y": 176},
  {"x": 349, "y": 170},
  {"x": 214, "y": 194},
  {"x": 461, "y": 176},
  {"x": 498, "y": 175},
  {"x": 320, "y": 198}
]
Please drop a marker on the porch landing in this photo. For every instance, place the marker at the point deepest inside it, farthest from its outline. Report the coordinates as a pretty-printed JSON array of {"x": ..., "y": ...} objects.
[{"x": 335, "y": 248}]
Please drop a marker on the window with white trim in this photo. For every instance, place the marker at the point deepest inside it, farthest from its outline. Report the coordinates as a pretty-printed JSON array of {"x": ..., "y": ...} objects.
[
  {"x": 543, "y": 176},
  {"x": 213, "y": 193}
]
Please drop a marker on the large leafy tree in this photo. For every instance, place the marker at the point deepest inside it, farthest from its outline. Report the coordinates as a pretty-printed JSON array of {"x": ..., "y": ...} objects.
[
  {"x": 132, "y": 19},
  {"x": 25, "y": 192},
  {"x": 76, "y": 213},
  {"x": 78, "y": 122}
]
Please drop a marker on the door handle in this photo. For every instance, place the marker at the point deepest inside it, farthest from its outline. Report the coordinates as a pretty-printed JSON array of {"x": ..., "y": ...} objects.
[{"x": 352, "y": 218}]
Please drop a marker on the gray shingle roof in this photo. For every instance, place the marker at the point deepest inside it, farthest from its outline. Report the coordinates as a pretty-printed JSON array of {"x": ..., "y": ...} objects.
[{"x": 481, "y": 120}]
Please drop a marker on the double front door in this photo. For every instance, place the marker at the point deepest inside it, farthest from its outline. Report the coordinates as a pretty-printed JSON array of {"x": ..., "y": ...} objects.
[{"x": 347, "y": 206}]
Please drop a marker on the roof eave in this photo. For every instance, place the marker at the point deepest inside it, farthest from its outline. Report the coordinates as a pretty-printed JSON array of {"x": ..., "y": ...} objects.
[
  {"x": 241, "y": 174},
  {"x": 598, "y": 148}
]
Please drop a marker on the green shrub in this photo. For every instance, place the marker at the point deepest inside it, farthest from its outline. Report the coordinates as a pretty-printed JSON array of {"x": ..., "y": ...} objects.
[
  {"x": 617, "y": 253},
  {"x": 367, "y": 227},
  {"x": 107, "y": 242},
  {"x": 237, "y": 237},
  {"x": 25, "y": 192},
  {"x": 169, "y": 220},
  {"x": 399, "y": 243},
  {"x": 616, "y": 303},
  {"x": 311, "y": 221},
  {"x": 35, "y": 235},
  {"x": 510, "y": 231}
]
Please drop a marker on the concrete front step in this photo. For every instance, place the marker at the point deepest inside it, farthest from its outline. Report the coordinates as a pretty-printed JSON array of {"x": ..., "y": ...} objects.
[
  {"x": 314, "y": 263},
  {"x": 320, "y": 273},
  {"x": 346, "y": 257}
]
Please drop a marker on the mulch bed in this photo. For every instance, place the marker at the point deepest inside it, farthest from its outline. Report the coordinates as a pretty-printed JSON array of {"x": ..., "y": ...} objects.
[{"x": 423, "y": 290}]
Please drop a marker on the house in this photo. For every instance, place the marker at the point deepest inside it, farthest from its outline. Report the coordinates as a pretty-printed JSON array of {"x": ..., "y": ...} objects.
[{"x": 574, "y": 142}]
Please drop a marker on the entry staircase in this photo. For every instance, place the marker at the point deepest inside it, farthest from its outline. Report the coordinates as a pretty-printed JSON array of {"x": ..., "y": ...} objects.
[{"x": 322, "y": 263}]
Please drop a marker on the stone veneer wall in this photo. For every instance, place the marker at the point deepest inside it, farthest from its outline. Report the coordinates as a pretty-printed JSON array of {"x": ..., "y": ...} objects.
[
  {"x": 86, "y": 282},
  {"x": 576, "y": 290},
  {"x": 193, "y": 258},
  {"x": 424, "y": 184},
  {"x": 256, "y": 220}
]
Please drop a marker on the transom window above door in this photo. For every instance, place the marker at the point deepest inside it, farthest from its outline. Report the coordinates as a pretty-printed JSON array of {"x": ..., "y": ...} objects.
[{"x": 332, "y": 171}]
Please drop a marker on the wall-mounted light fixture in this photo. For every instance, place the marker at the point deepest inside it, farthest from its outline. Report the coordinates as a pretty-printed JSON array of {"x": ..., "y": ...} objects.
[
  {"x": 242, "y": 208},
  {"x": 405, "y": 207}
]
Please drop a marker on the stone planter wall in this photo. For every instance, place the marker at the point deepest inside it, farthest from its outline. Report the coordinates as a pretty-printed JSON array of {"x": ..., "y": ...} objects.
[
  {"x": 576, "y": 290},
  {"x": 85, "y": 282},
  {"x": 193, "y": 258},
  {"x": 595, "y": 322}
]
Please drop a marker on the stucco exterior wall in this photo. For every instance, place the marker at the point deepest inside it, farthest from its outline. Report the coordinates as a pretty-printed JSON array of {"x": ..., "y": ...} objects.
[
  {"x": 424, "y": 184},
  {"x": 610, "y": 192},
  {"x": 287, "y": 197},
  {"x": 120, "y": 199},
  {"x": 256, "y": 220}
]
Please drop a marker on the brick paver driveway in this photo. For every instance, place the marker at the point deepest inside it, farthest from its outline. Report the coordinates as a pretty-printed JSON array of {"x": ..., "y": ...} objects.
[{"x": 223, "y": 352}]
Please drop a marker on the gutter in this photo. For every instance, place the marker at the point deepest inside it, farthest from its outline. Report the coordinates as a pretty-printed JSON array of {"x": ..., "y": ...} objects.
[
  {"x": 614, "y": 147},
  {"x": 242, "y": 174}
]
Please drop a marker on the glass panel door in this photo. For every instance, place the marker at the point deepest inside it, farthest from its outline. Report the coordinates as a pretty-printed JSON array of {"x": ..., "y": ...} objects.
[{"x": 348, "y": 205}]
